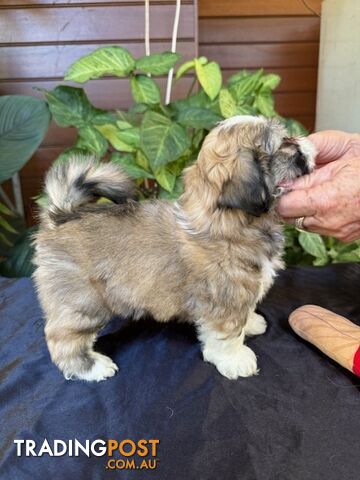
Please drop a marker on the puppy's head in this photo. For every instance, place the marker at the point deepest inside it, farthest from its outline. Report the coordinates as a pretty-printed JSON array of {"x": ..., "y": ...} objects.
[{"x": 244, "y": 160}]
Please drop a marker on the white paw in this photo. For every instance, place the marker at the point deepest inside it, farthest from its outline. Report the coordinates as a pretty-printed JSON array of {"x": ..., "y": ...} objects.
[
  {"x": 233, "y": 364},
  {"x": 255, "y": 325},
  {"x": 102, "y": 369}
]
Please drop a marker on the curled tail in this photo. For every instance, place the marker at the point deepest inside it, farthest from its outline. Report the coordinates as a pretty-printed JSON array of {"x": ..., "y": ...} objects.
[{"x": 79, "y": 180}]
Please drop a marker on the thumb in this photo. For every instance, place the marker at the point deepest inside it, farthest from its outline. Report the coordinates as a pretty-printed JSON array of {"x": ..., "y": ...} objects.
[{"x": 317, "y": 177}]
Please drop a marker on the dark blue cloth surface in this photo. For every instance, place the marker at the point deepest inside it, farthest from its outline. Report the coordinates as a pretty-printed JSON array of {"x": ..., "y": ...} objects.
[{"x": 299, "y": 419}]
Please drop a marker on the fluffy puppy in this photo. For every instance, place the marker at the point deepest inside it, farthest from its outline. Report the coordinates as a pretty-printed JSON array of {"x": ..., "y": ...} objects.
[{"x": 207, "y": 258}]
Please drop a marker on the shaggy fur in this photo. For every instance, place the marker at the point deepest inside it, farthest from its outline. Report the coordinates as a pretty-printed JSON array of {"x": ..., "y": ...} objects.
[{"x": 208, "y": 258}]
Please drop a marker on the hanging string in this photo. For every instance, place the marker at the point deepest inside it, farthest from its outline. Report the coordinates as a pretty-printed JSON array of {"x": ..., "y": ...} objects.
[
  {"x": 147, "y": 27},
  {"x": 173, "y": 49}
]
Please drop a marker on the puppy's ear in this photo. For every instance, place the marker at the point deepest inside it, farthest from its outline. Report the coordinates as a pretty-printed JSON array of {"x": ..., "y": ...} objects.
[{"x": 249, "y": 194}]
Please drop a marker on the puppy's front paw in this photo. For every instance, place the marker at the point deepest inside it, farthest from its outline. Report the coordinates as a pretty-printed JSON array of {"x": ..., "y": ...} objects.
[
  {"x": 239, "y": 363},
  {"x": 102, "y": 369},
  {"x": 255, "y": 325}
]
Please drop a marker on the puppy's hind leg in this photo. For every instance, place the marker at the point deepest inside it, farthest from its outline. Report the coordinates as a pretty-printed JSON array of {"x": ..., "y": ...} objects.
[
  {"x": 255, "y": 324},
  {"x": 70, "y": 337}
]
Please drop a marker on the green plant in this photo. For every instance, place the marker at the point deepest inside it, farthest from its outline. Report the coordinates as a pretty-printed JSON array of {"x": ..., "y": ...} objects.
[
  {"x": 23, "y": 123},
  {"x": 154, "y": 142}
]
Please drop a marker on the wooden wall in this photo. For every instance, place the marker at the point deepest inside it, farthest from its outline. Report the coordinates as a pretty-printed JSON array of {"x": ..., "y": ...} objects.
[
  {"x": 281, "y": 36},
  {"x": 40, "y": 39}
]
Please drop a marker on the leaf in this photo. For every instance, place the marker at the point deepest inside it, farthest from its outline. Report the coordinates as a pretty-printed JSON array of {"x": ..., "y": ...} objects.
[
  {"x": 145, "y": 90},
  {"x": 104, "y": 61},
  {"x": 210, "y": 78},
  {"x": 313, "y": 244},
  {"x": 175, "y": 193},
  {"x": 71, "y": 153},
  {"x": 71, "y": 107},
  {"x": 23, "y": 124},
  {"x": 115, "y": 137},
  {"x": 199, "y": 99},
  {"x": 19, "y": 263},
  {"x": 229, "y": 107},
  {"x": 196, "y": 117},
  {"x": 165, "y": 179},
  {"x": 6, "y": 211},
  {"x": 185, "y": 67},
  {"x": 198, "y": 138},
  {"x": 6, "y": 225},
  {"x": 142, "y": 161},
  {"x": 264, "y": 102},
  {"x": 270, "y": 81},
  {"x": 90, "y": 139},
  {"x": 295, "y": 128},
  {"x": 157, "y": 63},
  {"x": 227, "y": 103},
  {"x": 131, "y": 136},
  {"x": 123, "y": 125},
  {"x": 128, "y": 164},
  {"x": 246, "y": 85},
  {"x": 162, "y": 140}
]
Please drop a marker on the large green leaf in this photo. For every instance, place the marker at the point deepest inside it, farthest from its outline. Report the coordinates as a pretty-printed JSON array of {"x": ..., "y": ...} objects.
[
  {"x": 115, "y": 137},
  {"x": 198, "y": 118},
  {"x": 162, "y": 140},
  {"x": 264, "y": 102},
  {"x": 176, "y": 191},
  {"x": 71, "y": 107},
  {"x": 23, "y": 124},
  {"x": 227, "y": 103},
  {"x": 19, "y": 263},
  {"x": 270, "y": 81},
  {"x": 313, "y": 244},
  {"x": 185, "y": 67},
  {"x": 200, "y": 100},
  {"x": 294, "y": 127},
  {"x": 210, "y": 78},
  {"x": 131, "y": 135},
  {"x": 165, "y": 179},
  {"x": 246, "y": 86},
  {"x": 70, "y": 153},
  {"x": 157, "y": 63},
  {"x": 145, "y": 90},
  {"x": 104, "y": 61},
  {"x": 92, "y": 140},
  {"x": 129, "y": 165}
]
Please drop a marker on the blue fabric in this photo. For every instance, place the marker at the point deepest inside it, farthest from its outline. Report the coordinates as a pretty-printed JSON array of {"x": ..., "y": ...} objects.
[{"x": 297, "y": 420}]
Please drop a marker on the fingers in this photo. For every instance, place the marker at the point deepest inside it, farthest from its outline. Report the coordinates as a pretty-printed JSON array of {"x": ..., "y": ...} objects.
[
  {"x": 331, "y": 145},
  {"x": 298, "y": 203},
  {"x": 313, "y": 179},
  {"x": 346, "y": 233}
]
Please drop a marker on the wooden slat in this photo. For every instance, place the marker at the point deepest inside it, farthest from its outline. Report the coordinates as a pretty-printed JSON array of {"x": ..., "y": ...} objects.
[
  {"x": 107, "y": 93},
  {"x": 294, "y": 104},
  {"x": 112, "y": 23},
  {"x": 47, "y": 61},
  {"x": 74, "y": 3},
  {"x": 292, "y": 78},
  {"x": 263, "y": 55},
  {"x": 246, "y": 8},
  {"x": 259, "y": 30}
]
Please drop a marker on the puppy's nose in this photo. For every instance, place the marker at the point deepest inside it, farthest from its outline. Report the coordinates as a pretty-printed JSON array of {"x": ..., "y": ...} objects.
[{"x": 301, "y": 162}]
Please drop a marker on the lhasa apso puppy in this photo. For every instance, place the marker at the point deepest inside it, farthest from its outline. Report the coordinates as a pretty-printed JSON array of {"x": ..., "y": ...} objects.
[{"x": 208, "y": 258}]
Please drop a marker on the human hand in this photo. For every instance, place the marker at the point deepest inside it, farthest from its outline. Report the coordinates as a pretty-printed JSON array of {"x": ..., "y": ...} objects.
[
  {"x": 328, "y": 198},
  {"x": 335, "y": 145}
]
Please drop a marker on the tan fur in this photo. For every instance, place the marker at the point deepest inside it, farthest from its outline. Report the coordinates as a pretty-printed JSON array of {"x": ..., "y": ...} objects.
[{"x": 195, "y": 259}]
